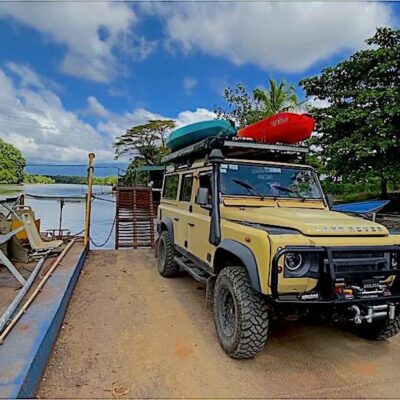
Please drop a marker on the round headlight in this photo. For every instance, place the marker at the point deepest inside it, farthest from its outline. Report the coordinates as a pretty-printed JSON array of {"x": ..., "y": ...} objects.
[{"x": 293, "y": 261}]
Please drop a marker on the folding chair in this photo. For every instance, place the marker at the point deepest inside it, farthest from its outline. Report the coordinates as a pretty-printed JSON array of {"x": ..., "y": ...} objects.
[{"x": 26, "y": 216}]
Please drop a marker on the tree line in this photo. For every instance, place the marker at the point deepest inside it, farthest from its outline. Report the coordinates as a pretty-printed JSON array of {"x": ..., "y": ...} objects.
[
  {"x": 357, "y": 138},
  {"x": 12, "y": 171}
]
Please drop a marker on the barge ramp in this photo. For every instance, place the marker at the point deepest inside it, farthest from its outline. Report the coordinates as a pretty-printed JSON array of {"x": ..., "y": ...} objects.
[{"x": 132, "y": 333}]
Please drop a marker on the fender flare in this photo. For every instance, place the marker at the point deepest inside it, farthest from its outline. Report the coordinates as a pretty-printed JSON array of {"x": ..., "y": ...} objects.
[
  {"x": 169, "y": 225},
  {"x": 247, "y": 258}
]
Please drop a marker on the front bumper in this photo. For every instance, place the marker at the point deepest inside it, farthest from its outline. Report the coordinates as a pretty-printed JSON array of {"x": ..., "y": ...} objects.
[{"x": 329, "y": 275}]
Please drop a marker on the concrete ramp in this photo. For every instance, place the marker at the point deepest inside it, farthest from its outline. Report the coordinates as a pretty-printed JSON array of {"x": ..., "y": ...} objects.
[{"x": 128, "y": 330}]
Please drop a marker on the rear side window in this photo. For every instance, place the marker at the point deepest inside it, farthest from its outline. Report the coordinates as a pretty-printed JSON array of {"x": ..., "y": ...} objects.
[
  {"x": 186, "y": 189},
  {"x": 171, "y": 187}
]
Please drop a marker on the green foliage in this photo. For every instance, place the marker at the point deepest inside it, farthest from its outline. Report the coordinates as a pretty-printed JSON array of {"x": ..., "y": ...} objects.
[
  {"x": 133, "y": 177},
  {"x": 242, "y": 108},
  {"x": 32, "y": 178},
  {"x": 12, "y": 164},
  {"x": 278, "y": 98},
  {"x": 145, "y": 142},
  {"x": 245, "y": 109},
  {"x": 108, "y": 180},
  {"x": 359, "y": 132},
  {"x": 82, "y": 180}
]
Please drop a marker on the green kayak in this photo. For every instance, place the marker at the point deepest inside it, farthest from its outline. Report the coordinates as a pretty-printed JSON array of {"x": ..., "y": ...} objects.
[{"x": 198, "y": 131}]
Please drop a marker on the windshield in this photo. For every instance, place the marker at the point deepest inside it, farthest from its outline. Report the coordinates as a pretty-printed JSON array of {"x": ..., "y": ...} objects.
[{"x": 269, "y": 181}]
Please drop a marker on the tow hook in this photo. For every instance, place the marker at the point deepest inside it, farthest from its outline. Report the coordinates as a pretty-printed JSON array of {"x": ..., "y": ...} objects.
[
  {"x": 357, "y": 318},
  {"x": 374, "y": 312}
]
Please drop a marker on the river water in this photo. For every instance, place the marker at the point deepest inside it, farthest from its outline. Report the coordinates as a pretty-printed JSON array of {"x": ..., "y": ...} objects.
[{"x": 103, "y": 211}]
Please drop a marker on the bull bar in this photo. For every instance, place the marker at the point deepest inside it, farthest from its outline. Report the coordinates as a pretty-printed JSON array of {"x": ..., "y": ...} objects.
[{"x": 328, "y": 274}]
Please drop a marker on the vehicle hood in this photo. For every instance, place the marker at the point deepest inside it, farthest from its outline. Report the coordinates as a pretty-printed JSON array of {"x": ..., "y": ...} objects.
[{"x": 310, "y": 222}]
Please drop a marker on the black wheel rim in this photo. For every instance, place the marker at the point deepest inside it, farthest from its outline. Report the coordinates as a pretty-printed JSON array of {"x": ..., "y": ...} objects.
[
  {"x": 227, "y": 312},
  {"x": 162, "y": 254}
]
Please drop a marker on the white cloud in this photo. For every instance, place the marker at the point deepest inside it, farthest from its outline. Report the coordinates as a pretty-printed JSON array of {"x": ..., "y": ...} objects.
[
  {"x": 317, "y": 103},
  {"x": 190, "y": 117},
  {"x": 90, "y": 32},
  {"x": 96, "y": 108},
  {"x": 34, "y": 119},
  {"x": 117, "y": 124},
  {"x": 189, "y": 84},
  {"x": 285, "y": 36}
]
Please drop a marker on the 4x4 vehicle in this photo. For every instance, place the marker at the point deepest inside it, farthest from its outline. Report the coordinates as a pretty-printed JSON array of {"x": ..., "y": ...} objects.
[{"x": 256, "y": 228}]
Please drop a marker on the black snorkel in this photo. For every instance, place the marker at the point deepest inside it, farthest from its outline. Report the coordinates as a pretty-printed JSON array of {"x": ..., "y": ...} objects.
[{"x": 215, "y": 158}]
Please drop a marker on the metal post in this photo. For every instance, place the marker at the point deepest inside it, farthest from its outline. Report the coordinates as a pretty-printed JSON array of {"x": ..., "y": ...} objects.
[
  {"x": 89, "y": 199},
  {"x": 62, "y": 201}
]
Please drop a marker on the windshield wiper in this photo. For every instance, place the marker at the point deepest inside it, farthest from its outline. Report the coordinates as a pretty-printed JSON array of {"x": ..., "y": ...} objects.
[
  {"x": 287, "y": 190},
  {"x": 248, "y": 187}
]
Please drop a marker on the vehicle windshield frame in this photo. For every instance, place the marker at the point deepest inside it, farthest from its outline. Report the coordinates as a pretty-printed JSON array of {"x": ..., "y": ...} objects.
[{"x": 276, "y": 197}]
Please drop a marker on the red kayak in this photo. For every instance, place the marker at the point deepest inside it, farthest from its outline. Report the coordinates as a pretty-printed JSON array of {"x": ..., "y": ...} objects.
[{"x": 284, "y": 127}]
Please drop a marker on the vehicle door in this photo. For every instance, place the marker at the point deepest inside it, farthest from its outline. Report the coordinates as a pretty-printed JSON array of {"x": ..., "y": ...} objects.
[
  {"x": 170, "y": 207},
  {"x": 185, "y": 207},
  {"x": 199, "y": 220}
]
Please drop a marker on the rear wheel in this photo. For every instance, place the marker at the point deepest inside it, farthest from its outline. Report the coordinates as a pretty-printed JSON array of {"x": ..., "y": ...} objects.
[
  {"x": 166, "y": 265},
  {"x": 240, "y": 314},
  {"x": 380, "y": 330}
]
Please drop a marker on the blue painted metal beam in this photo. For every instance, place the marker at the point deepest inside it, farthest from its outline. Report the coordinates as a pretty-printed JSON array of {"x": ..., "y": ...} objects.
[{"x": 25, "y": 352}]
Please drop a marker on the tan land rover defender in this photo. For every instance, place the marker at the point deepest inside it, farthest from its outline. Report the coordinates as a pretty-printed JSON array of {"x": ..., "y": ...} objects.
[{"x": 253, "y": 224}]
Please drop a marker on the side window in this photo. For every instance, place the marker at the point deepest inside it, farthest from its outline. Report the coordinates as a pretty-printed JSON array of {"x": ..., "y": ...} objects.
[
  {"x": 186, "y": 188},
  {"x": 171, "y": 187},
  {"x": 205, "y": 181}
]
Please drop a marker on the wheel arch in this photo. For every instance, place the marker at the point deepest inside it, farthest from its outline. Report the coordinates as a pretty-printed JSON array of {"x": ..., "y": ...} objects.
[
  {"x": 232, "y": 252},
  {"x": 166, "y": 224}
]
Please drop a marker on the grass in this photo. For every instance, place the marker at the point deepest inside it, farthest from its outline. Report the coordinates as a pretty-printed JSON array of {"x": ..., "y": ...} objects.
[{"x": 7, "y": 191}]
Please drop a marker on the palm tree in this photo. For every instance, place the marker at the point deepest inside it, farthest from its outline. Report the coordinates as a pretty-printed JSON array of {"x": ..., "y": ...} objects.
[{"x": 278, "y": 98}]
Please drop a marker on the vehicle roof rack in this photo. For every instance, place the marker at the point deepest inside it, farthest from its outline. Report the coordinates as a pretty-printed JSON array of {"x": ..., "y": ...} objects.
[{"x": 238, "y": 148}]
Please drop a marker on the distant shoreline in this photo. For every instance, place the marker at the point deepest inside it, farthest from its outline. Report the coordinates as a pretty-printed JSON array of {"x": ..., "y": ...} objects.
[{"x": 69, "y": 179}]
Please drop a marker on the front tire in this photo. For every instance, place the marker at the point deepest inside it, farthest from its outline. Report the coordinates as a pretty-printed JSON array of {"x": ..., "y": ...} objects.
[
  {"x": 240, "y": 314},
  {"x": 166, "y": 265}
]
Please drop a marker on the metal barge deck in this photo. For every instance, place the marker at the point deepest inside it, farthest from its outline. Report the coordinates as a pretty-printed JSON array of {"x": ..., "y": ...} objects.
[
  {"x": 130, "y": 333},
  {"x": 25, "y": 350}
]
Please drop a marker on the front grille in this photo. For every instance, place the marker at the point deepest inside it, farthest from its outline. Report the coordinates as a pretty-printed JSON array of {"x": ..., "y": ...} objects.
[
  {"x": 367, "y": 267},
  {"x": 354, "y": 254},
  {"x": 359, "y": 262}
]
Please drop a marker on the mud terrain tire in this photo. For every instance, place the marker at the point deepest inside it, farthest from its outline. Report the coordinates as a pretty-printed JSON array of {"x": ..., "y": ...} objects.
[
  {"x": 380, "y": 330},
  {"x": 166, "y": 265},
  {"x": 240, "y": 314}
]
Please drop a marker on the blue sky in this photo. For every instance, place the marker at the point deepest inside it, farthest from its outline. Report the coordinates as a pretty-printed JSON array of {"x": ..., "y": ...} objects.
[{"x": 73, "y": 76}]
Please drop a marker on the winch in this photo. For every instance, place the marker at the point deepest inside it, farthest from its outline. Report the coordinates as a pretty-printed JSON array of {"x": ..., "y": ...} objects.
[
  {"x": 367, "y": 289},
  {"x": 373, "y": 312}
]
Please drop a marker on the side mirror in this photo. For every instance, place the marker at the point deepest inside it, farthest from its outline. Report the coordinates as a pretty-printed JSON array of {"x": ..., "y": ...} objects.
[
  {"x": 202, "y": 198},
  {"x": 329, "y": 199}
]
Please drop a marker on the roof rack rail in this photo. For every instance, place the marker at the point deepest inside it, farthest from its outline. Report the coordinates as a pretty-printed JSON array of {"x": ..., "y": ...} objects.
[{"x": 238, "y": 148}]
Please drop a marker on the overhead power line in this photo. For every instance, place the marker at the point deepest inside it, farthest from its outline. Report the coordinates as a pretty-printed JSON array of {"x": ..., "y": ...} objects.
[{"x": 71, "y": 165}]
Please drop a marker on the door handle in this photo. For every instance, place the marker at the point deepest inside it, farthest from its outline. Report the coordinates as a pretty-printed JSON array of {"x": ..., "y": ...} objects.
[
  {"x": 176, "y": 219},
  {"x": 190, "y": 223}
]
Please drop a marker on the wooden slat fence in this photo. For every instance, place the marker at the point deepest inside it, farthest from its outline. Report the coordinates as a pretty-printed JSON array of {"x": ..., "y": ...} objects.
[{"x": 135, "y": 217}]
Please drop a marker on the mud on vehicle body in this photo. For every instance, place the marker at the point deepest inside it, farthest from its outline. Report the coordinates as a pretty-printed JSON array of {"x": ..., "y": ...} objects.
[{"x": 255, "y": 227}]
